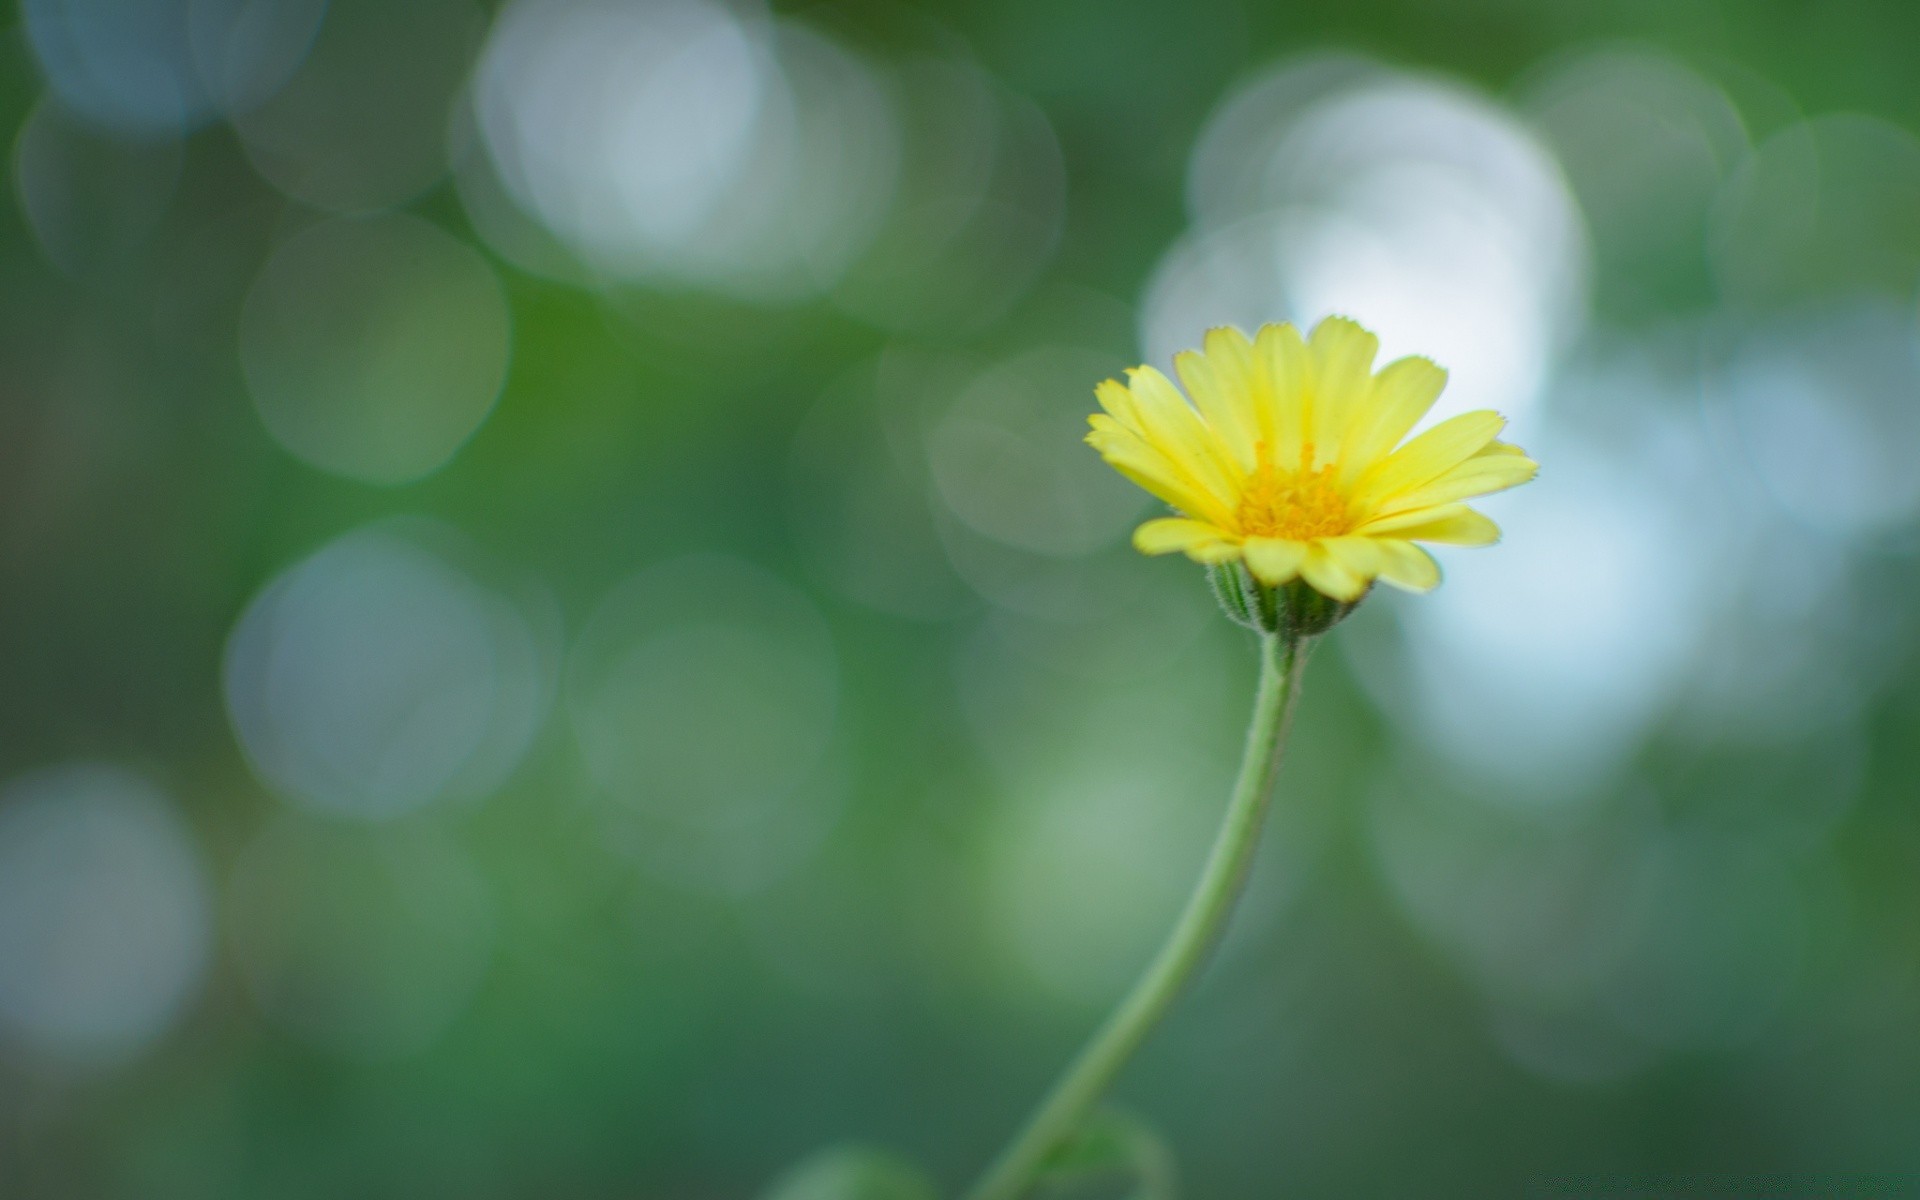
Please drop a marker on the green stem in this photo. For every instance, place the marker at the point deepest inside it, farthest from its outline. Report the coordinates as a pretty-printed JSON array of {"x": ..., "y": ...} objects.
[{"x": 1199, "y": 927}]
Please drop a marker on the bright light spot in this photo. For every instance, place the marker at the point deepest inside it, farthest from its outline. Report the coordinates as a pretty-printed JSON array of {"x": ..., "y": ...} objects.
[
  {"x": 1232, "y": 170},
  {"x": 365, "y": 943},
  {"x": 703, "y": 696},
  {"x": 377, "y": 676},
  {"x": 1540, "y": 666},
  {"x": 1543, "y": 660},
  {"x": 679, "y": 140},
  {"x": 1416, "y": 206},
  {"x": 499, "y": 220},
  {"x": 362, "y": 125},
  {"x": 161, "y": 67},
  {"x": 548, "y": 67},
  {"x": 1825, "y": 409},
  {"x": 104, "y": 913},
  {"x": 375, "y": 348},
  {"x": 91, "y": 201}
]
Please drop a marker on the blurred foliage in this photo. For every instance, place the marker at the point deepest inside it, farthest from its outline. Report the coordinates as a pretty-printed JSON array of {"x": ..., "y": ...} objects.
[{"x": 923, "y": 756}]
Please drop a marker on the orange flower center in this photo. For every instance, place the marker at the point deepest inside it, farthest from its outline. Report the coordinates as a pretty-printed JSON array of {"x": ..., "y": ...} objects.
[{"x": 1296, "y": 506}]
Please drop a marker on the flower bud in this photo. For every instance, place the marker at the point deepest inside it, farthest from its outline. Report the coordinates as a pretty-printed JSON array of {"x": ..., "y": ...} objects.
[
  {"x": 1238, "y": 596},
  {"x": 1307, "y": 613},
  {"x": 1294, "y": 609}
]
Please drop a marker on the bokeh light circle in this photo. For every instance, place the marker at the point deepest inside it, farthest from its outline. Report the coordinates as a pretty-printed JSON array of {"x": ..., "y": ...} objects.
[
  {"x": 860, "y": 503},
  {"x": 1099, "y": 743},
  {"x": 687, "y": 141},
  {"x": 979, "y": 209},
  {"x": 1083, "y": 881},
  {"x": 1538, "y": 669},
  {"x": 1646, "y": 143},
  {"x": 704, "y": 696},
  {"x": 91, "y": 201},
  {"x": 1821, "y": 210},
  {"x": 105, "y": 913},
  {"x": 1823, "y": 406},
  {"x": 1331, "y": 186},
  {"x": 375, "y": 347},
  {"x": 154, "y": 68},
  {"x": 1601, "y": 943},
  {"x": 377, "y": 676},
  {"x": 362, "y": 126},
  {"x": 1006, "y": 457}
]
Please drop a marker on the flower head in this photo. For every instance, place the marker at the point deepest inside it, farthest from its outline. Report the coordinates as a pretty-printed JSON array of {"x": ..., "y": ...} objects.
[{"x": 1291, "y": 459}]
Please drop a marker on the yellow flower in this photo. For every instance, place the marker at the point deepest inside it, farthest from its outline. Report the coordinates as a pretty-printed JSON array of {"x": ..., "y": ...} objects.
[{"x": 1290, "y": 459}]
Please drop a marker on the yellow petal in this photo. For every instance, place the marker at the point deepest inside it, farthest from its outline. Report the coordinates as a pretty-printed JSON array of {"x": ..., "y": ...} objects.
[
  {"x": 1406, "y": 565},
  {"x": 1361, "y": 555},
  {"x": 1153, "y": 471},
  {"x": 1478, "y": 476},
  {"x": 1272, "y": 561},
  {"x": 1214, "y": 553},
  {"x": 1286, "y": 370},
  {"x": 1500, "y": 448},
  {"x": 1403, "y": 392},
  {"x": 1329, "y": 572},
  {"x": 1306, "y": 419},
  {"x": 1235, "y": 368},
  {"x": 1342, "y": 383},
  {"x": 1169, "y": 423},
  {"x": 1226, "y": 406},
  {"x": 1430, "y": 455},
  {"x": 1169, "y": 535},
  {"x": 1118, "y": 401},
  {"x": 1455, "y": 524}
]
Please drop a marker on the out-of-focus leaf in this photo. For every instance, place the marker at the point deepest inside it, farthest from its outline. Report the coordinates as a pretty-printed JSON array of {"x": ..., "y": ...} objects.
[
  {"x": 853, "y": 1173},
  {"x": 1115, "y": 1146}
]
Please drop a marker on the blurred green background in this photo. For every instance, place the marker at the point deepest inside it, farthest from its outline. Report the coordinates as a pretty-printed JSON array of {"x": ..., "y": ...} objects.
[{"x": 559, "y": 639}]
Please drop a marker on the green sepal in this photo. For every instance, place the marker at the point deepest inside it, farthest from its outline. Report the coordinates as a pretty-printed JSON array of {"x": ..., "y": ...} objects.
[
  {"x": 1294, "y": 609},
  {"x": 1229, "y": 584},
  {"x": 853, "y": 1172},
  {"x": 1114, "y": 1145},
  {"x": 1308, "y": 613}
]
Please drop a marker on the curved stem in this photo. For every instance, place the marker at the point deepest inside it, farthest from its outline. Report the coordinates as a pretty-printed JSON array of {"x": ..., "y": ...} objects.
[{"x": 1199, "y": 927}]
